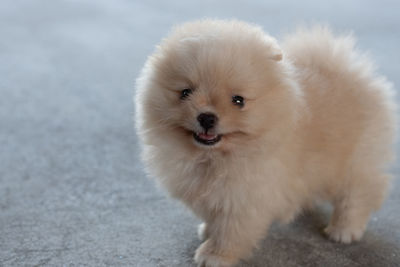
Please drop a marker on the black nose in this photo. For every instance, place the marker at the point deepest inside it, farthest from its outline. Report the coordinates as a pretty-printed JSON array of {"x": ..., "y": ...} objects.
[{"x": 207, "y": 120}]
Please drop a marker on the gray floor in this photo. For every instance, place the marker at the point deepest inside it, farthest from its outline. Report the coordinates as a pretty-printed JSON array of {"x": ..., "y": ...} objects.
[{"x": 72, "y": 190}]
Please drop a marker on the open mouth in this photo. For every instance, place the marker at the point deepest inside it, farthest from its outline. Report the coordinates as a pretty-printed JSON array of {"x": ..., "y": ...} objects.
[{"x": 207, "y": 139}]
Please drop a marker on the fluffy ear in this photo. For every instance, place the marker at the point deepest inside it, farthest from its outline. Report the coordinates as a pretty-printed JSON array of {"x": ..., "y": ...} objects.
[{"x": 275, "y": 50}]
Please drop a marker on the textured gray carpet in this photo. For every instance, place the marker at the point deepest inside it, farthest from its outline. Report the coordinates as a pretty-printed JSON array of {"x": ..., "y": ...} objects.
[{"x": 72, "y": 190}]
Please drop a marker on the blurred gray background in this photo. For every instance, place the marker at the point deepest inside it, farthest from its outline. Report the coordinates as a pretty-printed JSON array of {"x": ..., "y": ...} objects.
[{"x": 72, "y": 189}]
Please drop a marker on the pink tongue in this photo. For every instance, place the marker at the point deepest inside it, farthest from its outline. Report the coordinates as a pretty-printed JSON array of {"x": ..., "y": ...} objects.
[{"x": 206, "y": 136}]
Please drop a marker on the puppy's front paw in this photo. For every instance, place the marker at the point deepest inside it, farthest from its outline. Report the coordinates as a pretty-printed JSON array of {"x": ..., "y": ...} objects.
[
  {"x": 202, "y": 231},
  {"x": 206, "y": 257},
  {"x": 344, "y": 234}
]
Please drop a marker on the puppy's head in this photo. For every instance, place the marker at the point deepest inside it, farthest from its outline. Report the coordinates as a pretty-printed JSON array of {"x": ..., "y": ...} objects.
[{"x": 215, "y": 85}]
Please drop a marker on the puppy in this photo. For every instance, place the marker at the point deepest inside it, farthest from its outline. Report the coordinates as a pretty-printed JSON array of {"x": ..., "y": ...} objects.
[{"x": 246, "y": 133}]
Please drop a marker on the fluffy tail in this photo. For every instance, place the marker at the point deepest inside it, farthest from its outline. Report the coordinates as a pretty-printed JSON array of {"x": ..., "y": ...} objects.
[{"x": 318, "y": 48}]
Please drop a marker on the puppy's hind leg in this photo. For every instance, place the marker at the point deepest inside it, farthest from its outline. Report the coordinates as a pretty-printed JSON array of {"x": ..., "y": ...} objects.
[{"x": 353, "y": 206}]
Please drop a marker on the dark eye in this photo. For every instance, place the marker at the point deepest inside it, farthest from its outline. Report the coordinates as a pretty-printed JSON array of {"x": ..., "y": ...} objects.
[
  {"x": 238, "y": 100},
  {"x": 185, "y": 93}
]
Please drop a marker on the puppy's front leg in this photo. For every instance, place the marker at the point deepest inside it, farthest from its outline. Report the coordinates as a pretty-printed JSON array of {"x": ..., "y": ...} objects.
[{"x": 230, "y": 238}]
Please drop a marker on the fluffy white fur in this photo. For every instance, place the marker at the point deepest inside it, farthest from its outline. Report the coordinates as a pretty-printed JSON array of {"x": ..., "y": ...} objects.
[{"x": 317, "y": 124}]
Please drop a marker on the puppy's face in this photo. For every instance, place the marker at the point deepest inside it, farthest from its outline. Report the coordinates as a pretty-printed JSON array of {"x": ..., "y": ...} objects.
[{"x": 216, "y": 92}]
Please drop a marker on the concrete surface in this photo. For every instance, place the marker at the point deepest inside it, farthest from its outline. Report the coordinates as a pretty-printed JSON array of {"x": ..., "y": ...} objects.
[{"x": 72, "y": 190}]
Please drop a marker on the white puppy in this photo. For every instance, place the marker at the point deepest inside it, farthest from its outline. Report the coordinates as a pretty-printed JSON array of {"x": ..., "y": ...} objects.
[{"x": 245, "y": 132}]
